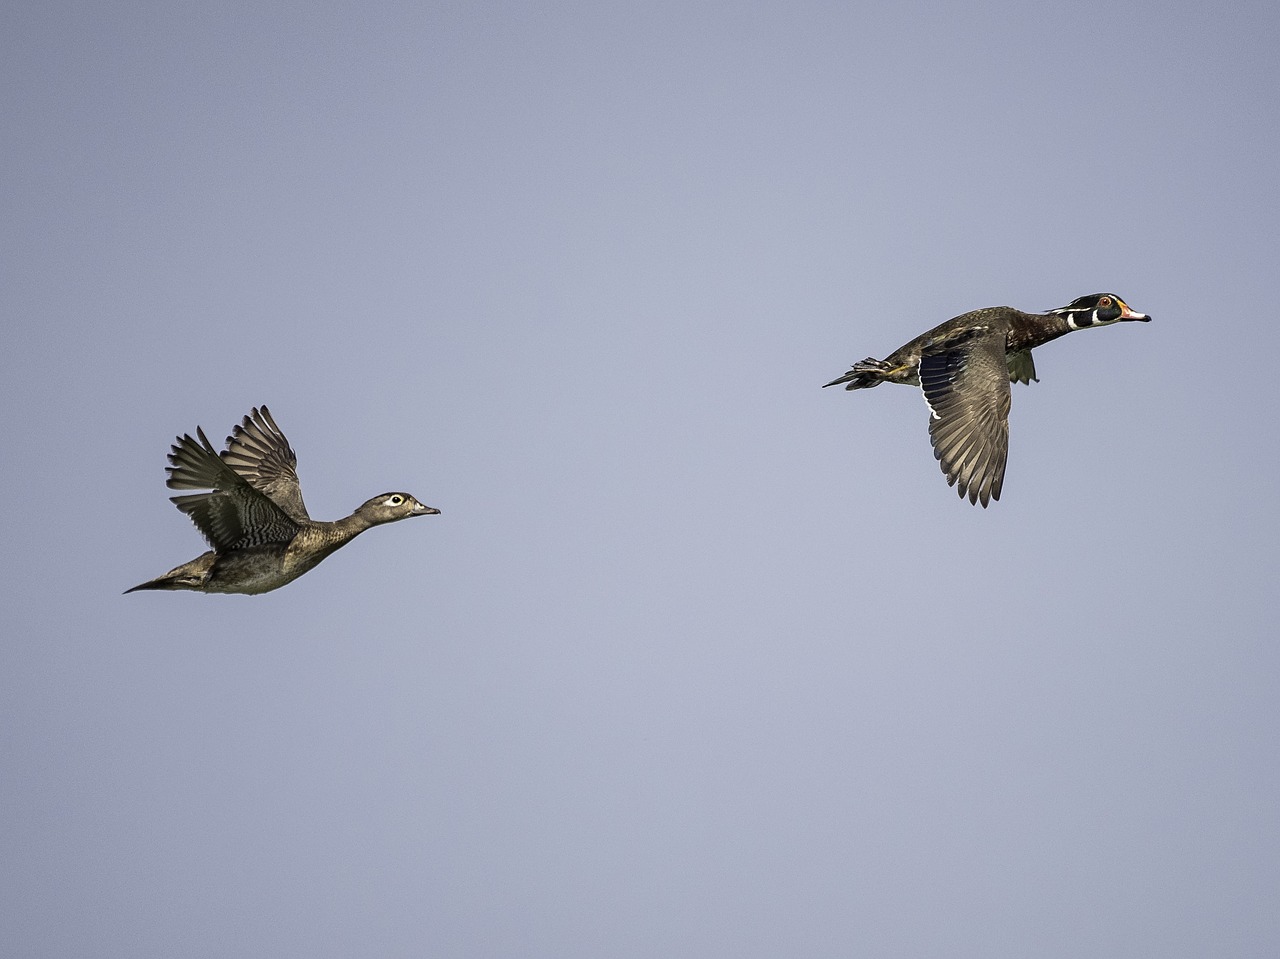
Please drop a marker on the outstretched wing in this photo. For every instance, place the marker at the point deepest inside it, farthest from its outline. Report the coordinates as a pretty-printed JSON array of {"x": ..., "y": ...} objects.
[
  {"x": 234, "y": 514},
  {"x": 966, "y": 384},
  {"x": 258, "y": 451}
]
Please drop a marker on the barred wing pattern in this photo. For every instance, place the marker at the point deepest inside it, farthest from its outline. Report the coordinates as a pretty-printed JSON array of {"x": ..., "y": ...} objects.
[
  {"x": 234, "y": 514},
  {"x": 258, "y": 451}
]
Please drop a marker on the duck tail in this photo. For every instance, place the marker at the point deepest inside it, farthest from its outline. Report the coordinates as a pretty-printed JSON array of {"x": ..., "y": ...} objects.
[
  {"x": 192, "y": 575},
  {"x": 864, "y": 375},
  {"x": 153, "y": 584},
  {"x": 162, "y": 582}
]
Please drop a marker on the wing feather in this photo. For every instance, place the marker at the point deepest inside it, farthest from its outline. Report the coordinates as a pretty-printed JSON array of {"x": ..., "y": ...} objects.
[
  {"x": 966, "y": 384},
  {"x": 233, "y": 514},
  {"x": 259, "y": 452}
]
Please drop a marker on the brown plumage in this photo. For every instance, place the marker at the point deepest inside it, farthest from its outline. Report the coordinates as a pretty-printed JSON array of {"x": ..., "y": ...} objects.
[
  {"x": 252, "y": 512},
  {"x": 964, "y": 367}
]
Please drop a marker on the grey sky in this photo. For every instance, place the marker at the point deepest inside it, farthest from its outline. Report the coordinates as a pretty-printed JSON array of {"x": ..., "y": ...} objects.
[{"x": 700, "y": 659}]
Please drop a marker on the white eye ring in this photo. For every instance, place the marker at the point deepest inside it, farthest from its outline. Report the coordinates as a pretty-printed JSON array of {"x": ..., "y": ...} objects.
[{"x": 395, "y": 500}]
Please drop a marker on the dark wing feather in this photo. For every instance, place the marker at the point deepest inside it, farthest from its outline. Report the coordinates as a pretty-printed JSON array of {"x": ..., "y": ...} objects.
[
  {"x": 258, "y": 451},
  {"x": 234, "y": 514},
  {"x": 966, "y": 384}
]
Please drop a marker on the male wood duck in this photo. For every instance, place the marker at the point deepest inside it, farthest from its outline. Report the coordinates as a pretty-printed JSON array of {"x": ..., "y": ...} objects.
[
  {"x": 254, "y": 518},
  {"x": 965, "y": 366}
]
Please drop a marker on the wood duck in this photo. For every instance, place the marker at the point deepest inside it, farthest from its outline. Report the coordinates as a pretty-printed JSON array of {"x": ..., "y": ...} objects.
[
  {"x": 965, "y": 366},
  {"x": 254, "y": 518}
]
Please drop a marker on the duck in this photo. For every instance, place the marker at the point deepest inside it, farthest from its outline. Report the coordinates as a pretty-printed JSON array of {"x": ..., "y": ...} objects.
[
  {"x": 965, "y": 367},
  {"x": 252, "y": 513}
]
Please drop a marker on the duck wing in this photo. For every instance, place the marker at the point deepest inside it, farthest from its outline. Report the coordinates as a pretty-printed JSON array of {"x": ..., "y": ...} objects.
[
  {"x": 234, "y": 514},
  {"x": 965, "y": 380},
  {"x": 1022, "y": 368},
  {"x": 258, "y": 451}
]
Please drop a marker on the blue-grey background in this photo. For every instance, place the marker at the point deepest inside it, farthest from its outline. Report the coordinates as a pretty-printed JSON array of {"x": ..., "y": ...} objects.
[{"x": 699, "y": 659}]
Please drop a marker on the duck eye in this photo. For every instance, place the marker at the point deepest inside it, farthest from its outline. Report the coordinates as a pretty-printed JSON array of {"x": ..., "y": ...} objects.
[
  {"x": 1104, "y": 302},
  {"x": 395, "y": 500}
]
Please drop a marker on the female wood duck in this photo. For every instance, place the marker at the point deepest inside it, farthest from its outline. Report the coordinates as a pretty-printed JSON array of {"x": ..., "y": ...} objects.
[
  {"x": 254, "y": 518},
  {"x": 965, "y": 366}
]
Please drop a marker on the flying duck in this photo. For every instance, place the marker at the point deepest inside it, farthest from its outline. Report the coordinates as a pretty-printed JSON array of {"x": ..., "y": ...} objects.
[
  {"x": 964, "y": 367},
  {"x": 254, "y": 517}
]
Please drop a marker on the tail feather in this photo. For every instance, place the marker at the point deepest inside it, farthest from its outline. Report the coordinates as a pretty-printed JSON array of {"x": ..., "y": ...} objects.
[
  {"x": 192, "y": 575},
  {"x": 164, "y": 582},
  {"x": 864, "y": 375}
]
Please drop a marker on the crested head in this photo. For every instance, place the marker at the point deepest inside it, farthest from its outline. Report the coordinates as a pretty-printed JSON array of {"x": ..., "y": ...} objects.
[
  {"x": 389, "y": 507},
  {"x": 1098, "y": 309}
]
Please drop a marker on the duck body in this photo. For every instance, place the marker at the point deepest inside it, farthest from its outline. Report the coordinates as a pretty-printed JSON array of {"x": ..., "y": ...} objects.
[
  {"x": 253, "y": 514},
  {"x": 964, "y": 368},
  {"x": 1017, "y": 331},
  {"x": 260, "y": 569},
  {"x": 252, "y": 570}
]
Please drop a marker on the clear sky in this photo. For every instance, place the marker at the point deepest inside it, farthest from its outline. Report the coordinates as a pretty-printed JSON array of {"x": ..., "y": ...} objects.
[{"x": 699, "y": 659}]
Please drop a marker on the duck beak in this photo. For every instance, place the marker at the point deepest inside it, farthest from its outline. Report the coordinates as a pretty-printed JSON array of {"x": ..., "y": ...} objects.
[
  {"x": 421, "y": 510},
  {"x": 1127, "y": 313}
]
